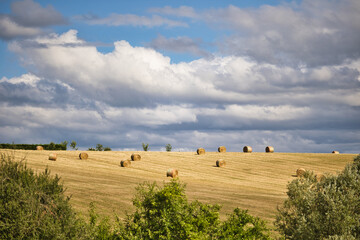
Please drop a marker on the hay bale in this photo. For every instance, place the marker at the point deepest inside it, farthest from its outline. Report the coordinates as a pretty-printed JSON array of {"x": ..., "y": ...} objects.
[
  {"x": 300, "y": 172},
  {"x": 247, "y": 149},
  {"x": 135, "y": 157},
  {"x": 125, "y": 163},
  {"x": 269, "y": 149},
  {"x": 39, "y": 148},
  {"x": 222, "y": 149},
  {"x": 335, "y": 152},
  {"x": 220, "y": 163},
  {"x": 319, "y": 177},
  {"x": 83, "y": 156},
  {"x": 52, "y": 156},
  {"x": 171, "y": 172},
  {"x": 200, "y": 151}
]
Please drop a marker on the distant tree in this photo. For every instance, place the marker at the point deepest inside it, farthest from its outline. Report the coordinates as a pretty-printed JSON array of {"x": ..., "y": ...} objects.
[
  {"x": 168, "y": 147},
  {"x": 51, "y": 146},
  {"x": 73, "y": 145},
  {"x": 99, "y": 147},
  {"x": 145, "y": 146},
  {"x": 107, "y": 149},
  {"x": 91, "y": 149},
  {"x": 64, "y": 143},
  {"x": 329, "y": 209}
]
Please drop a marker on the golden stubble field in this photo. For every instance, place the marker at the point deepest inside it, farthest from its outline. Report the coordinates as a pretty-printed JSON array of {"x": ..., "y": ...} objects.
[{"x": 253, "y": 181}]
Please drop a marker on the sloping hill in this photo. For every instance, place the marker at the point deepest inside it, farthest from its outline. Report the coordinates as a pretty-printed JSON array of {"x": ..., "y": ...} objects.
[{"x": 254, "y": 181}]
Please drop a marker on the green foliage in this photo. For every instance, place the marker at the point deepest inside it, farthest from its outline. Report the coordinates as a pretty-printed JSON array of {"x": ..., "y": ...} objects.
[
  {"x": 168, "y": 147},
  {"x": 329, "y": 209},
  {"x": 99, "y": 147},
  {"x": 34, "y": 206},
  {"x": 145, "y": 146},
  {"x": 91, "y": 149},
  {"x": 73, "y": 145},
  {"x": 165, "y": 213},
  {"x": 241, "y": 225},
  {"x": 64, "y": 143},
  {"x": 107, "y": 149},
  {"x": 51, "y": 146}
]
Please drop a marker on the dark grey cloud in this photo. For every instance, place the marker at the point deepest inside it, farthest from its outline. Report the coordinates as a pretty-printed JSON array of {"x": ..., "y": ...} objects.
[
  {"x": 115, "y": 19},
  {"x": 180, "y": 45},
  {"x": 9, "y": 29},
  {"x": 27, "y": 19},
  {"x": 31, "y": 14}
]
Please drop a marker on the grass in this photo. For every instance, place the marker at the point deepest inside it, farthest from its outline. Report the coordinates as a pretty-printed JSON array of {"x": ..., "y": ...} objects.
[{"x": 253, "y": 181}]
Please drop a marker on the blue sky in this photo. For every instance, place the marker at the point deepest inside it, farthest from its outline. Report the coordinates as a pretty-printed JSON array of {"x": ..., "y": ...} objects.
[{"x": 189, "y": 73}]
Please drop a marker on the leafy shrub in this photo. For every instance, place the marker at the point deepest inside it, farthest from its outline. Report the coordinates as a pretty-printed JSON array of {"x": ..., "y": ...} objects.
[
  {"x": 329, "y": 209},
  {"x": 165, "y": 213},
  {"x": 107, "y": 149},
  {"x": 34, "y": 206}
]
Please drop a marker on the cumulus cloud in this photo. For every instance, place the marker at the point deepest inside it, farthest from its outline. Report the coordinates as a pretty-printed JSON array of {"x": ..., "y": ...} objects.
[
  {"x": 135, "y": 94},
  {"x": 27, "y": 18}
]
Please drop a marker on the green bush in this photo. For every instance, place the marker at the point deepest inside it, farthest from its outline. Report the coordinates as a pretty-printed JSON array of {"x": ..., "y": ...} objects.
[
  {"x": 329, "y": 209},
  {"x": 165, "y": 213},
  {"x": 33, "y": 206}
]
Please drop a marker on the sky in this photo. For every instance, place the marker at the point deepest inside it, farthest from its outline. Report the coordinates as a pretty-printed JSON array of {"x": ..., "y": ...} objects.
[{"x": 187, "y": 73}]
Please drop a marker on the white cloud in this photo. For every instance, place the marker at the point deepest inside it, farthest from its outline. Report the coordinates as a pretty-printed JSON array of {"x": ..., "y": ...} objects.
[{"x": 29, "y": 79}]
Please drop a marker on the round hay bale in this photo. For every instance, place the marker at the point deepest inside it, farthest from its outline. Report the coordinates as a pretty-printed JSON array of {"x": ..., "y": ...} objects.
[
  {"x": 300, "y": 172},
  {"x": 222, "y": 149},
  {"x": 39, "y": 148},
  {"x": 172, "y": 173},
  {"x": 200, "y": 151},
  {"x": 135, "y": 157},
  {"x": 247, "y": 149},
  {"x": 125, "y": 163},
  {"x": 335, "y": 152},
  {"x": 319, "y": 177},
  {"x": 269, "y": 149},
  {"x": 83, "y": 156},
  {"x": 220, "y": 163},
  {"x": 52, "y": 156}
]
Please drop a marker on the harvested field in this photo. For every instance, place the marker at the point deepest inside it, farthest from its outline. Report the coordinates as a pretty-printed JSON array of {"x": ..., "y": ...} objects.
[{"x": 256, "y": 181}]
